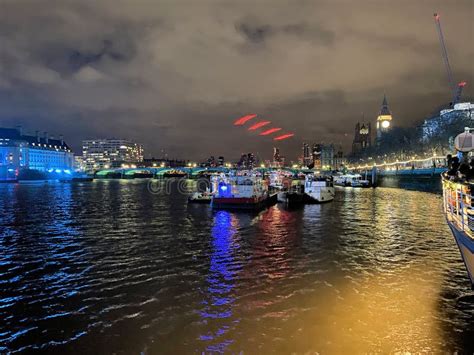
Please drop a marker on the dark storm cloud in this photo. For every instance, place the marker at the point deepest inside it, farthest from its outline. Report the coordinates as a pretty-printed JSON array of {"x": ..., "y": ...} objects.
[
  {"x": 301, "y": 31},
  {"x": 175, "y": 74}
]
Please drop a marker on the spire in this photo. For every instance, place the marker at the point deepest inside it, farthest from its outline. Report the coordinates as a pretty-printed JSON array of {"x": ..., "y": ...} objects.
[{"x": 384, "y": 110}]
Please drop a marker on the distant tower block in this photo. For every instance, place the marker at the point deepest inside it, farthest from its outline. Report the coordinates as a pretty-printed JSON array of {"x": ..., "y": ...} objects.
[{"x": 384, "y": 119}]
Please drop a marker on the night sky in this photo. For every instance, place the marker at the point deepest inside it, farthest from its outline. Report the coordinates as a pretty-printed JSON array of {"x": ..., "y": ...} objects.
[{"x": 174, "y": 74}]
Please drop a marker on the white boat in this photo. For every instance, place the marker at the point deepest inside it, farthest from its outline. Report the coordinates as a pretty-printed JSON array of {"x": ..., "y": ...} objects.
[
  {"x": 279, "y": 180},
  {"x": 351, "y": 180},
  {"x": 200, "y": 197},
  {"x": 458, "y": 205},
  {"x": 241, "y": 190},
  {"x": 318, "y": 189}
]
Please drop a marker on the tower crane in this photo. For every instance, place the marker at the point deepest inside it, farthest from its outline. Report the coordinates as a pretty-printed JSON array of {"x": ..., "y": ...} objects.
[{"x": 455, "y": 88}]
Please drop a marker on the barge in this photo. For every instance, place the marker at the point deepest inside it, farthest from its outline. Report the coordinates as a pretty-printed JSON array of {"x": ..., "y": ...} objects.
[{"x": 241, "y": 190}]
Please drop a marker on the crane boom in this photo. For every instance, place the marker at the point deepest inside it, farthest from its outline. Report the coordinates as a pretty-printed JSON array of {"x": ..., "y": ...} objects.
[
  {"x": 444, "y": 51},
  {"x": 456, "y": 89}
]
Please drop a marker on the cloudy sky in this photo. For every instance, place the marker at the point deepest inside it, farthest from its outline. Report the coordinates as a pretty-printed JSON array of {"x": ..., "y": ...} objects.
[{"x": 175, "y": 74}]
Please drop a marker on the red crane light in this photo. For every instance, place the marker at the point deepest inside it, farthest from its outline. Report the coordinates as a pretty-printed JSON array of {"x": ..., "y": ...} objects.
[
  {"x": 270, "y": 131},
  {"x": 242, "y": 120},
  {"x": 258, "y": 125},
  {"x": 285, "y": 136}
]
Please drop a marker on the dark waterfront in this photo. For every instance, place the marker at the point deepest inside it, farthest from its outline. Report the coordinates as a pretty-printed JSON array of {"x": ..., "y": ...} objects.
[{"x": 108, "y": 267}]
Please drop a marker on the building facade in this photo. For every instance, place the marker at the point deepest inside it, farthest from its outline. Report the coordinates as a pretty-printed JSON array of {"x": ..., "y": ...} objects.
[
  {"x": 307, "y": 159},
  {"x": 278, "y": 159},
  {"x": 339, "y": 160},
  {"x": 448, "y": 124},
  {"x": 327, "y": 157},
  {"x": 247, "y": 161},
  {"x": 384, "y": 119},
  {"x": 362, "y": 137},
  {"x": 316, "y": 159},
  {"x": 110, "y": 153},
  {"x": 22, "y": 154}
]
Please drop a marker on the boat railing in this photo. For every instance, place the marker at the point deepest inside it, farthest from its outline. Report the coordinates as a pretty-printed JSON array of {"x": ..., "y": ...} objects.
[{"x": 459, "y": 205}]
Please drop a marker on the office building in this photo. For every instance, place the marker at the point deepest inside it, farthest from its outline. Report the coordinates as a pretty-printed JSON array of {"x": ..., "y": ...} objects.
[{"x": 110, "y": 153}]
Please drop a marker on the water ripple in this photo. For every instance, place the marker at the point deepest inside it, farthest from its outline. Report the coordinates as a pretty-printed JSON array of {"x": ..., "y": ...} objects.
[{"x": 108, "y": 267}]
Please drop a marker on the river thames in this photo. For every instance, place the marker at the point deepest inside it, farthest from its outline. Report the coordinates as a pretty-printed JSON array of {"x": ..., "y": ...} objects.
[{"x": 109, "y": 267}]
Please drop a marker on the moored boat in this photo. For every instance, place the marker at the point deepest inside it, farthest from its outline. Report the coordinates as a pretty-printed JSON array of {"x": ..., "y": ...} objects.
[
  {"x": 351, "y": 180},
  {"x": 200, "y": 197},
  {"x": 458, "y": 205},
  {"x": 293, "y": 193},
  {"x": 241, "y": 190},
  {"x": 318, "y": 189}
]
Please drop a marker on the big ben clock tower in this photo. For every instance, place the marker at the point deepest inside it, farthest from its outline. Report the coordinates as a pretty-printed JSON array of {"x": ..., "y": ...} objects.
[{"x": 384, "y": 119}]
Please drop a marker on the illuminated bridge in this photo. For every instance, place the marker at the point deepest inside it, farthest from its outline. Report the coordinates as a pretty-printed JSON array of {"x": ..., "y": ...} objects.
[{"x": 191, "y": 172}]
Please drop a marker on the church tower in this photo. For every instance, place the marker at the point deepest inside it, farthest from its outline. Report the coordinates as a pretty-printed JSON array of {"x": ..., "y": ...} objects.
[
  {"x": 362, "y": 136},
  {"x": 384, "y": 119}
]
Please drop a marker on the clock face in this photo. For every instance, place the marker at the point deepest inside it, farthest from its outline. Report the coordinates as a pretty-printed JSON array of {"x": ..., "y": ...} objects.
[{"x": 385, "y": 124}]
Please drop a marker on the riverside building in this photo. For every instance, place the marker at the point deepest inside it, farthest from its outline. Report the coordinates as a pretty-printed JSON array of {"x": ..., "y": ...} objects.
[
  {"x": 110, "y": 153},
  {"x": 27, "y": 156}
]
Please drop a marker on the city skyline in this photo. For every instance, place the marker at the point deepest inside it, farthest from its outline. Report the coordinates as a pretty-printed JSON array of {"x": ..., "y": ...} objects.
[{"x": 174, "y": 76}]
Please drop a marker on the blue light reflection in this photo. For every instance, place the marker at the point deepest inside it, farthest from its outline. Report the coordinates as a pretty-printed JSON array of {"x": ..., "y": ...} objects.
[{"x": 218, "y": 298}]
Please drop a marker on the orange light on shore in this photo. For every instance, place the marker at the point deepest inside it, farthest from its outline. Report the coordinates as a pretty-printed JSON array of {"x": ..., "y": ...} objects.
[
  {"x": 258, "y": 125},
  {"x": 242, "y": 120},
  {"x": 270, "y": 131},
  {"x": 285, "y": 136}
]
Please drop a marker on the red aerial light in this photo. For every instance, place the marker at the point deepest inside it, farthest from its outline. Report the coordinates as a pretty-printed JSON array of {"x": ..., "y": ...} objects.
[
  {"x": 258, "y": 125},
  {"x": 270, "y": 131},
  {"x": 462, "y": 83},
  {"x": 285, "y": 136},
  {"x": 242, "y": 120}
]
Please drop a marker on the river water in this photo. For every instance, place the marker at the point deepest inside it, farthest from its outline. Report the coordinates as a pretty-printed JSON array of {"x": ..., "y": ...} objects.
[{"x": 109, "y": 267}]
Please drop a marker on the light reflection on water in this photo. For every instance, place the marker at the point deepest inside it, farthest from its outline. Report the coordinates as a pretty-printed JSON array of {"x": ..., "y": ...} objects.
[
  {"x": 109, "y": 267},
  {"x": 217, "y": 313}
]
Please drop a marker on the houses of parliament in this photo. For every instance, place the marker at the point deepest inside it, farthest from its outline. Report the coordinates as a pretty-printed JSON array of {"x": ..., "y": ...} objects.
[{"x": 363, "y": 130}]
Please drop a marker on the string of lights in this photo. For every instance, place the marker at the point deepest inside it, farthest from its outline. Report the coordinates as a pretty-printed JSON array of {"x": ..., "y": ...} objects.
[{"x": 414, "y": 160}]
